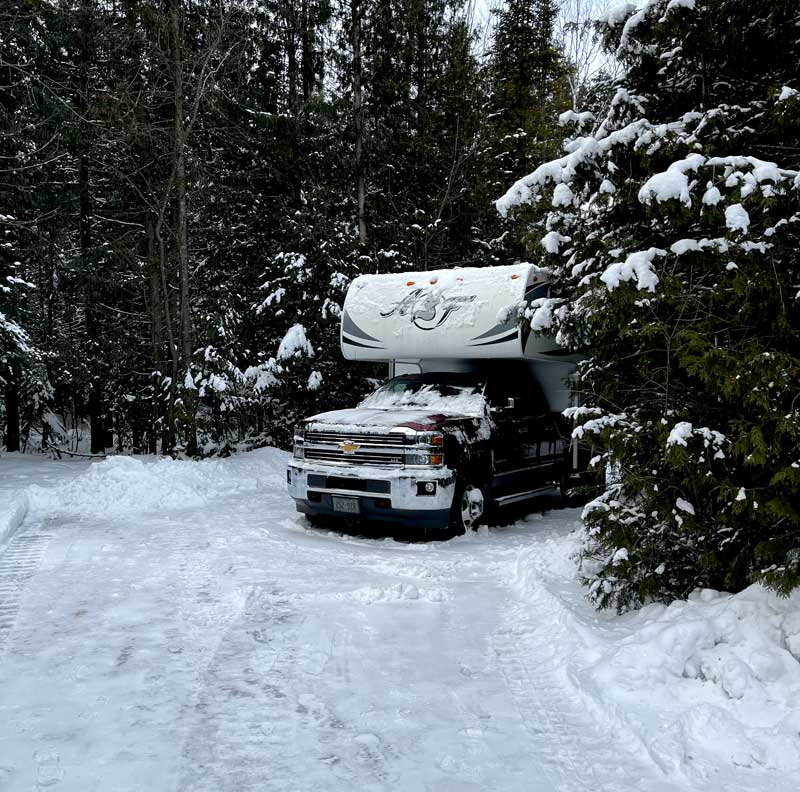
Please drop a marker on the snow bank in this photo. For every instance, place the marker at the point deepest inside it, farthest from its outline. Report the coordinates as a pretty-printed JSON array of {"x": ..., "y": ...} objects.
[
  {"x": 132, "y": 485},
  {"x": 12, "y": 513},
  {"x": 706, "y": 686},
  {"x": 711, "y": 679}
]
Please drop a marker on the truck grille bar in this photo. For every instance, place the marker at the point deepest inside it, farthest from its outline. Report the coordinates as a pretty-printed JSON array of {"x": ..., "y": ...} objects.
[
  {"x": 370, "y": 449},
  {"x": 393, "y": 440}
]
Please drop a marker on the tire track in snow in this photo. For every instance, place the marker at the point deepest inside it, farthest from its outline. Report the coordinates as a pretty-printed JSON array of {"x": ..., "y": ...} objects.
[
  {"x": 235, "y": 677},
  {"x": 264, "y": 709},
  {"x": 577, "y": 754},
  {"x": 18, "y": 564}
]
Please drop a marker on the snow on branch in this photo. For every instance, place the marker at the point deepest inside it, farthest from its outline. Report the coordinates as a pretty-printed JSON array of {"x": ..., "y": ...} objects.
[
  {"x": 295, "y": 344},
  {"x": 637, "y": 265}
]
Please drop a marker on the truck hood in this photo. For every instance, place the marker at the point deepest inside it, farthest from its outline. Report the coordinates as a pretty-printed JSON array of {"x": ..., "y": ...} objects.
[{"x": 368, "y": 419}]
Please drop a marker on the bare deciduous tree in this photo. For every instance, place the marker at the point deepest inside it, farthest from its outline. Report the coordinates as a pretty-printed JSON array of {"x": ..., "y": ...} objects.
[{"x": 581, "y": 43}]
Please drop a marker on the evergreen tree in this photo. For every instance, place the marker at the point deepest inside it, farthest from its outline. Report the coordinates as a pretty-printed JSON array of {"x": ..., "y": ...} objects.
[
  {"x": 672, "y": 230},
  {"x": 528, "y": 91},
  {"x": 189, "y": 181},
  {"x": 421, "y": 135},
  {"x": 527, "y": 76}
]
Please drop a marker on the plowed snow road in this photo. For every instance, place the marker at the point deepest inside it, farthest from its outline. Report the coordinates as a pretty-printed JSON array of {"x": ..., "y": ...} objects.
[{"x": 227, "y": 646}]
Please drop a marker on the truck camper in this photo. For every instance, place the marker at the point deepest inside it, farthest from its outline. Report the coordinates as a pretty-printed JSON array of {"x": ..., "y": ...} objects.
[{"x": 470, "y": 418}]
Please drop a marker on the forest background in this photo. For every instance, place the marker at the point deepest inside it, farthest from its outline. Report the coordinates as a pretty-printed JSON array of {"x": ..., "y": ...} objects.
[
  {"x": 188, "y": 188},
  {"x": 184, "y": 183}
]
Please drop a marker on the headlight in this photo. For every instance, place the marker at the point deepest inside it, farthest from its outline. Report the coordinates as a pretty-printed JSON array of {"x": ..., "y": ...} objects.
[
  {"x": 427, "y": 450},
  {"x": 298, "y": 450},
  {"x": 424, "y": 458}
]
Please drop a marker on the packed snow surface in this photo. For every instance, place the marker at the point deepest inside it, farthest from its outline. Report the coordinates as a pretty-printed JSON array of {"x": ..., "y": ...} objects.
[{"x": 177, "y": 626}]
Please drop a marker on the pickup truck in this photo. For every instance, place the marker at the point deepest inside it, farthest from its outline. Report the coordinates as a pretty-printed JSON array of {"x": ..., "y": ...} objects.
[
  {"x": 472, "y": 424},
  {"x": 437, "y": 451}
]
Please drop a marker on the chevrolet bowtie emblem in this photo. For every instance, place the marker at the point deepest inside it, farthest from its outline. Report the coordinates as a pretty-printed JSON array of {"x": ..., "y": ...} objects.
[{"x": 349, "y": 448}]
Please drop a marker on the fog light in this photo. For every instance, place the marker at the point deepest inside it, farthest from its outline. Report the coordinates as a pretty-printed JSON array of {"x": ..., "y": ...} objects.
[
  {"x": 426, "y": 488},
  {"x": 430, "y": 486}
]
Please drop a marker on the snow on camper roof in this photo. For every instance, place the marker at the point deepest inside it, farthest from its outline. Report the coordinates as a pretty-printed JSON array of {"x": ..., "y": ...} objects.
[{"x": 443, "y": 314}]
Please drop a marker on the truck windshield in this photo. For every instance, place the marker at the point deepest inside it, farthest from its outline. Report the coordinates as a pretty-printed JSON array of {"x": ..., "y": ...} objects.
[{"x": 458, "y": 398}]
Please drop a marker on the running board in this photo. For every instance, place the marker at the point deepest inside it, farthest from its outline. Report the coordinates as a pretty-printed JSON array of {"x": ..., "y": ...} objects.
[{"x": 506, "y": 499}]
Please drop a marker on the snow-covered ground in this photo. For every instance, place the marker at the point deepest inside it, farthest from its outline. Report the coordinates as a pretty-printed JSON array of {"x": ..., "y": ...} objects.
[{"x": 176, "y": 626}]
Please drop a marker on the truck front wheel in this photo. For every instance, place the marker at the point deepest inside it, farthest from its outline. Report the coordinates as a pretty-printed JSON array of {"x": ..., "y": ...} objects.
[{"x": 468, "y": 508}]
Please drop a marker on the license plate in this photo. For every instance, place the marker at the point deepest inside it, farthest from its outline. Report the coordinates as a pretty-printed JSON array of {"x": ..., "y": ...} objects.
[{"x": 346, "y": 505}]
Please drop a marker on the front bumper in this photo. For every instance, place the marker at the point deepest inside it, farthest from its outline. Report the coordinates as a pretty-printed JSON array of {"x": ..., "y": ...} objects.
[{"x": 385, "y": 495}]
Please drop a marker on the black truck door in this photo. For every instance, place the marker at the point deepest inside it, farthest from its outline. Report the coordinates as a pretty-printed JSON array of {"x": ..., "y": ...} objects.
[{"x": 528, "y": 449}]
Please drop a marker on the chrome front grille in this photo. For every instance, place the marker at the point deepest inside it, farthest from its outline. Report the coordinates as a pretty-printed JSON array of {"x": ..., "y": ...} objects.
[
  {"x": 357, "y": 458},
  {"x": 393, "y": 440},
  {"x": 370, "y": 449}
]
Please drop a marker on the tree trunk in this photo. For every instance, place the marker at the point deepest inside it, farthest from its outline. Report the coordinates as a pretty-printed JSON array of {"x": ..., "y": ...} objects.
[
  {"x": 156, "y": 308},
  {"x": 291, "y": 53},
  {"x": 136, "y": 436},
  {"x": 96, "y": 424},
  {"x": 95, "y": 404},
  {"x": 168, "y": 424},
  {"x": 11, "y": 437},
  {"x": 92, "y": 323},
  {"x": 181, "y": 237},
  {"x": 358, "y": 122},
  {"x": 179, "y": 154},
  {"x": 306, "y": 52},
  {"x": 157, "y": 314}
]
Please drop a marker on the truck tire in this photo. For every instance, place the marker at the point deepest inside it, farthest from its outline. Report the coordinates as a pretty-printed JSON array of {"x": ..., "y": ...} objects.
[{"x": 468, "y": 509}]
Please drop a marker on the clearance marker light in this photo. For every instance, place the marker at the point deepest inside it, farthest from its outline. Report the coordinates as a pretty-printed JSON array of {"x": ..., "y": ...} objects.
[
  {"x": 514, "y": 277},
  {"x": 410, "y": 283}
]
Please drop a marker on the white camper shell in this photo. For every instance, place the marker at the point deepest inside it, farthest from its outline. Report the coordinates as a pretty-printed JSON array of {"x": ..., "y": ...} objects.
[{"x": 445, "y": 320}]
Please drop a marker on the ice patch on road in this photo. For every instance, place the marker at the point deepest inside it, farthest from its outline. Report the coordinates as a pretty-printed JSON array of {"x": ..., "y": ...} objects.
[{"x": 124, "y": 485}]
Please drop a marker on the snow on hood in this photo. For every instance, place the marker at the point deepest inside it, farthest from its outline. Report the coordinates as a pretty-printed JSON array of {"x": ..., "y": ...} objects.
[
  {"x": 465, "y": 401},
  {"x": 380, "y": 421}
]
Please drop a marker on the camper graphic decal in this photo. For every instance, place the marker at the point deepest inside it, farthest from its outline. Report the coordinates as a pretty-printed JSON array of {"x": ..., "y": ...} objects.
[{"x": 426, "y": 310}]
